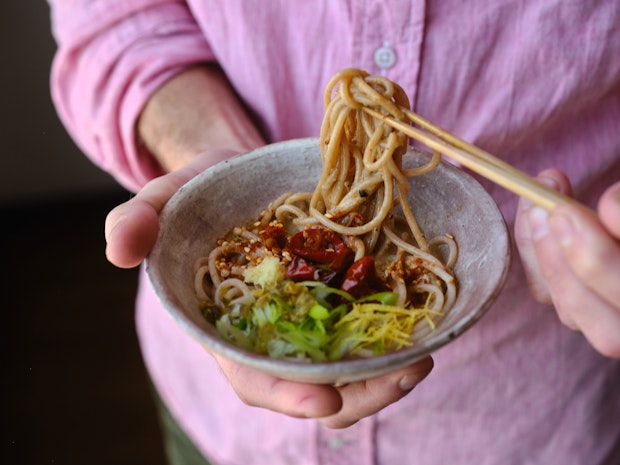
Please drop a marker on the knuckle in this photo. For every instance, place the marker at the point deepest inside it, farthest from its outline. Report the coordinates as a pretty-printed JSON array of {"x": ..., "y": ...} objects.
[{"x": 587, "y": 263}]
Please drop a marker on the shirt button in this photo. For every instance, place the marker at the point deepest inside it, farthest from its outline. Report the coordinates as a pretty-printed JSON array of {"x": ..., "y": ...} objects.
[
  {"x": 336, "y": 443},
  {"x": 385, "y": 56}
]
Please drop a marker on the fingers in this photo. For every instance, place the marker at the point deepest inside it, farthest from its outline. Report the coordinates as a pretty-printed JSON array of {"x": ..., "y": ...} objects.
[
  {"x": 365, "y": 398},
  {"x": 299, "y": 400},
  {"x": 572, "y": 259},
  {"x": 588, "y": 290},
  {"x": 592, "y": 253},
  {"x": 582, "y": 268},
  {"x": 336, "y": 407},
  {"x": 131, "y": 228}
]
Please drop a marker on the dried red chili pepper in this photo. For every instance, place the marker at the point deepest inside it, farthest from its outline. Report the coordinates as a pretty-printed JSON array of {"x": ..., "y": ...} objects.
[
  {"x": 301, "y": 270},
  {"x": 361, "y": 278},
  {"x": 322, "y": 246}
]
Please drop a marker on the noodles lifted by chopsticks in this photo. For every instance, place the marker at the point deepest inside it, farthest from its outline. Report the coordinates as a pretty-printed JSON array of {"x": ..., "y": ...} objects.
[
  {"x": 344, "y": 270},
  {"x": 363, "y": 175}
]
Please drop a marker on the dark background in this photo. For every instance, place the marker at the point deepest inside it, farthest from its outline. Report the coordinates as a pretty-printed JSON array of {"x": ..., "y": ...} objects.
[{"x": 75, "y": 390}]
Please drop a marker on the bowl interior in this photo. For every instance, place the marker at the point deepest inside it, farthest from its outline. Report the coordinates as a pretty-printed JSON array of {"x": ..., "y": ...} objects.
[{"x": 446, "y": 200}]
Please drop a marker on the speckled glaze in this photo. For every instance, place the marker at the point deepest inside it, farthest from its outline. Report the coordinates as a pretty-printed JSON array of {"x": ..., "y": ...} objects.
[{"x": 446, "y": 200}]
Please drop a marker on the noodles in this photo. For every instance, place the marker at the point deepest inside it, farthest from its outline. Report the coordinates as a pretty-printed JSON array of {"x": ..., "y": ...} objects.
[{"x": 344, "y": 270}]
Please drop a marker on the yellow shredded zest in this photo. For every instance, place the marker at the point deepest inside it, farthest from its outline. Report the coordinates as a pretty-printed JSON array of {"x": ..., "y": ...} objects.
[{"x": 388, "y": 325}]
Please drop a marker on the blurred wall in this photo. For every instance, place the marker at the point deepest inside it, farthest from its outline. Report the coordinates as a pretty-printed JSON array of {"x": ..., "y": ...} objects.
[{"x": 39, "y": 162}]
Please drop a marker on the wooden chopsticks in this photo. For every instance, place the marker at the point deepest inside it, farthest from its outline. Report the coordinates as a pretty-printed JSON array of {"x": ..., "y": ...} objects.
[{"x": 476, "y": 159}]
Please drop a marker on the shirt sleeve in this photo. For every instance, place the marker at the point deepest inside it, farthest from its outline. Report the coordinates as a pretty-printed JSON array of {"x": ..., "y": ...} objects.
[{"x": 112, "y": 55}]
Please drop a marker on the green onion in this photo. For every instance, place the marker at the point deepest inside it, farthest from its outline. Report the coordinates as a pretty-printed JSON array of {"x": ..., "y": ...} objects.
[{"x": 319, "y": 312}]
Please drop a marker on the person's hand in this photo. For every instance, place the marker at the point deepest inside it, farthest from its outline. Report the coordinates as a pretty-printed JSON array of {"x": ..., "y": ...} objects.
[
  {"x": 131, "y": 228},
  {"x": 131, "y": 231},
  {"x": 572, "y": 260},
  {"x": 334, "y": 406}
]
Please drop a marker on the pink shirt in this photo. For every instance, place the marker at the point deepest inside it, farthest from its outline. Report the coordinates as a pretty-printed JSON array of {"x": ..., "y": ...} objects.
[{"x": 535, "y": 82}]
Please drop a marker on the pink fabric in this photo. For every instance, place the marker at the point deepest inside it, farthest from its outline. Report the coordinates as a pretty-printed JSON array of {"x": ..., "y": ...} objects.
[{"x": 537, "y": 83}]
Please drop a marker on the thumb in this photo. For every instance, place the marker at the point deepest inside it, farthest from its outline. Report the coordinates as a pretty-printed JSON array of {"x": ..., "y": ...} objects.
[
  {"x": 131, "y": 228},
  {"x": 365, "y": 398},
  {"x": 527, "y": 219}
]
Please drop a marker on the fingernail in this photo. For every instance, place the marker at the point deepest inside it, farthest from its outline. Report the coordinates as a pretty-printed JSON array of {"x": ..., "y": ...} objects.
[
  {"x": 539, "y": 222},
  {"x": 408, "y": 382},
  {"x": 109, "y": 230},
  {"x": 307, "y": 407},
  {"x": 527, "y": 204},
  {"x": 549, "y": 182},
  {"x": 562, "y": 228}
]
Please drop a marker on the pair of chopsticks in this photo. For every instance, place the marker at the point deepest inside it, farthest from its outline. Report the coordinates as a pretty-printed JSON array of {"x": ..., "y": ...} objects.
[{"x": 476, "y": 159}]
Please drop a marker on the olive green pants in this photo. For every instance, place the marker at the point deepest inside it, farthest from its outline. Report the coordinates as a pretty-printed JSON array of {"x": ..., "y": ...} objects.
[{"x": 179, "y": 448}]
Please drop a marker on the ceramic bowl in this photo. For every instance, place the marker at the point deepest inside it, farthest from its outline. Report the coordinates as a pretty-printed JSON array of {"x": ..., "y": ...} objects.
[{"x": 446, "y": 200}]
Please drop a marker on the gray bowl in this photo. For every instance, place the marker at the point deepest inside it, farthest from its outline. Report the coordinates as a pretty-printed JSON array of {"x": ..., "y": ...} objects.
[{"x": 446, "y": 200}]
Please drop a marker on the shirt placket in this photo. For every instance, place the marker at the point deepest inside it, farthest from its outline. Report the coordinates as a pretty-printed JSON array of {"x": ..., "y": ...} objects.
[
  {"x": 354, "y": 445},
  {"x": 388, "y": 40}
]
